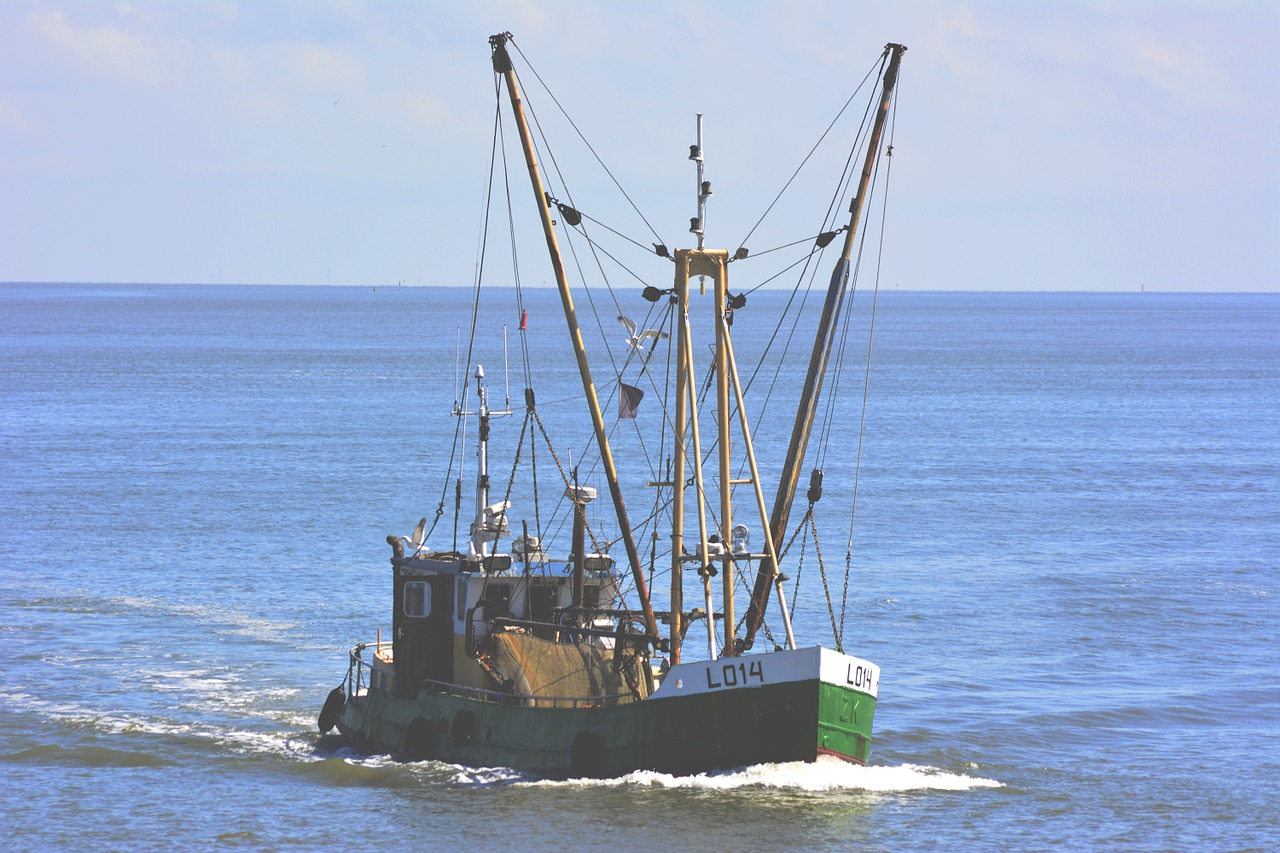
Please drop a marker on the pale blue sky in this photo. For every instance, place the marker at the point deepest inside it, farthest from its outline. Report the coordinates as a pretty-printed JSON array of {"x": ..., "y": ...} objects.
[{"x": 1046, "y": 145}]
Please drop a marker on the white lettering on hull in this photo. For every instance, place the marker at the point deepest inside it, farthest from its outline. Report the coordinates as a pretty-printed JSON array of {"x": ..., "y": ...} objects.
[
  {"x": 751, "y": 671},
  {"x": 734, "y": 675}
]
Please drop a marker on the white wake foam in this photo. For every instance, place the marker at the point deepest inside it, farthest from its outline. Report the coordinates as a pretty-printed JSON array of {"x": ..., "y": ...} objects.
[{"x": 826, "y": 774}]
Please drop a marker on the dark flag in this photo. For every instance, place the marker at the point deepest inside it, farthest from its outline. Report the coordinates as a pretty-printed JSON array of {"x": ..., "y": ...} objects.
[{"x": 628, "y": 400}]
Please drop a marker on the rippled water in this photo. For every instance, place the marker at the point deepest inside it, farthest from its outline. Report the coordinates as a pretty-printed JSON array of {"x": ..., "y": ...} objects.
[{"x": 1065, "y": 561}]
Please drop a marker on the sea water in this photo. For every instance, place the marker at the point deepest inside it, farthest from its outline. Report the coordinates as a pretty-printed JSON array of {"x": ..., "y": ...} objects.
[{"x": 1065, "y": 559}]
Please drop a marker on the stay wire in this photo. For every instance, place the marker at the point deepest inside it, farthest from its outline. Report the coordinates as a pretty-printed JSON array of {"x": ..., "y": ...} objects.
[
  {"x": 866, "y": 385},
  {"x": 564, "y": 113},
  {"x": 812, "y": 239},
  {"x": 846, "y": 307},
  {"x": 809, "y": 271},
  {"x": 599, "y": 247},
  {"x": 550, "y": 158},
  {"x": 648, "y": 250},
  {"x": 837, "y": 370},
  {"x": 458, "y": 431},
  {"x": 522, "y": 332},
  {"x": 812, "y": 150},
  {"x": 586, "y": 290}
]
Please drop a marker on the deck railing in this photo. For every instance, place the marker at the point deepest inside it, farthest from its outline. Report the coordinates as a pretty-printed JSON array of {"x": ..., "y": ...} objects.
[
  {"x": 528, "y": 700},
  {"x": 358, "y": 681},
  {"x": 356, "y": 671}
]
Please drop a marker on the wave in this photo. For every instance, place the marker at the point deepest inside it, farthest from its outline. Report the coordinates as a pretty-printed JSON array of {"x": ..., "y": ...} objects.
[
  {"x": 826, "y": 774},
  {"x": 222, "y": 619},
  {"x": 195, "y": 734},
  {"x": 85, "y": 756}
]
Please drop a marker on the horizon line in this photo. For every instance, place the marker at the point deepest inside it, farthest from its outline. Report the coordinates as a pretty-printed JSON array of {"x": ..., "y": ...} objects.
[{"x": 548, "y": 287}]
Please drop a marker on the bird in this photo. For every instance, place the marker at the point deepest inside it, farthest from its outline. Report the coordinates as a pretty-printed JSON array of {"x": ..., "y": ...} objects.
[
  {"x": 634, "y": 340},
  {"x": 417, "y": 541}
]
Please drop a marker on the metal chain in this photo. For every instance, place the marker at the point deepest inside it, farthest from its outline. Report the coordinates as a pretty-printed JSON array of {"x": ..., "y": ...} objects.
[
  {"x": 795, "y": 589},
  {"x": 799, "y": 528},
  {"x": 822, "y": 570}
]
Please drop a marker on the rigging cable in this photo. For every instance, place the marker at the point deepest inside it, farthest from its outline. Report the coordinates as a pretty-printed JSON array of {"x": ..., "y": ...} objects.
[
  {"x": 866, "y": 387},
  {"x": 510, "y": 211},
  {"x": 556, "y": 101},
  {"x": 810, "y": 271},
  {"x": 596, "y": 248},
  {"x": 515, "y": 264},
  {"x": 837, "y": 371},
  {"x": 842, "y": 185},
  {"x": 794, "y": 174},
  {"x": 460, "y": 404},
  {"x": 550, "y": 158},
  {"x": 846, "y": 306}
]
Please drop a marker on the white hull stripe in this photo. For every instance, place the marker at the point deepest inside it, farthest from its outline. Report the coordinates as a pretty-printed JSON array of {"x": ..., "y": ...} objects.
[{"x": 815, "y": 663}]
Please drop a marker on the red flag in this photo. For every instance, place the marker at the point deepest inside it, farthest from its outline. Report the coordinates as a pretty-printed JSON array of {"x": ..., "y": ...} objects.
[{"x": 524, "y": 320}]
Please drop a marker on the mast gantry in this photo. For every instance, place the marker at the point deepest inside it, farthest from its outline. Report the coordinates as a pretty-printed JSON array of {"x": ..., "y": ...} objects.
[{"x": 711, "y": 263}]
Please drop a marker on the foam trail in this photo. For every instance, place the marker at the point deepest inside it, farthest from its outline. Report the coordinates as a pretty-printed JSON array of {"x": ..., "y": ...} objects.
[
  {"x": 484, "y": 777},
  {"x": 826, "y": 774}
]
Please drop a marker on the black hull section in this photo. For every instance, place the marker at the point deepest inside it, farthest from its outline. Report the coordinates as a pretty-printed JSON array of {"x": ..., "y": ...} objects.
[{"x": 679, "y": 735}]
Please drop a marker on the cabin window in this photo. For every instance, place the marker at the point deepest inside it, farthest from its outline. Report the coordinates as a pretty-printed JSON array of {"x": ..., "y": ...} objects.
[
  {"x": 543, "y": 601},
  {"x": 463, "y": 586},
  {"x": 591, "y": 597},
  {"x": 498, "y": 598},
  {"x": 417, "y": 599}
]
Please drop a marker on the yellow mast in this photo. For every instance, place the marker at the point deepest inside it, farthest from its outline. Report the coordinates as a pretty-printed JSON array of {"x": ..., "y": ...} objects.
[
  {"x": 686, "y": 260},
  {"x": 676, "y": 616},
  {"x": 822, "y": 343},
  {"x": 713, "y": 263},
  {"x": 721, "y": 290},
  {"x": 502, "y": 65}
]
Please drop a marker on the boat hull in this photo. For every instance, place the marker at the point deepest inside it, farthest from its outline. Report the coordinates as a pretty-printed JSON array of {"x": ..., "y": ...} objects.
[{"x": 785, "y": 706}]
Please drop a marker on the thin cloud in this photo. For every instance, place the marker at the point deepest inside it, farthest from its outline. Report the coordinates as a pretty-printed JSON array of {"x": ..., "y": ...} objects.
[
  {"x": 316, "y": 67},
  {"x": 13, "y": 118},
  {"x": 110, "y": 50}
]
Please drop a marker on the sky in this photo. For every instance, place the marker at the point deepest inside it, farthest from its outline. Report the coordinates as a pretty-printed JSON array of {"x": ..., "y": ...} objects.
[{"x": 1048, "y": 145}]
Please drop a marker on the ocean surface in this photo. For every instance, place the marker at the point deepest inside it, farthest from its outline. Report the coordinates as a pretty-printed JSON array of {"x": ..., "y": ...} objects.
[{"x": 1066, "y": 560}]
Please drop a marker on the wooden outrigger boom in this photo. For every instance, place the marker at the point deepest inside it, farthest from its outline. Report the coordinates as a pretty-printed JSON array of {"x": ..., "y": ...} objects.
[
  {"x": 502, "y": 65},
  {"x": 823, "y": 340}
]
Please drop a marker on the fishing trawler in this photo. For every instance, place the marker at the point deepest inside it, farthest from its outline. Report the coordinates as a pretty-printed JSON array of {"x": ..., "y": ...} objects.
[{"x": 506, "y": 652}]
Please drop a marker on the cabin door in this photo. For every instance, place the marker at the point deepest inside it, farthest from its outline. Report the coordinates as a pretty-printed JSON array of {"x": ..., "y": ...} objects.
[
  {"x": 424, "y": 632},
  {"x": 440, "y": 631}
]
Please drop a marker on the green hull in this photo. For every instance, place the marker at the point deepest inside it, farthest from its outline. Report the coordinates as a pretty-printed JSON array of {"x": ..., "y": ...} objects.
[{"x": 678, "y": 734}]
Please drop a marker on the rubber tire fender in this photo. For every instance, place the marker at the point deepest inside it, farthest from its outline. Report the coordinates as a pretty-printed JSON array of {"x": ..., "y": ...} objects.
[
  {"x": 332, "y": 708},
  {"x": 422, "y": 740}
]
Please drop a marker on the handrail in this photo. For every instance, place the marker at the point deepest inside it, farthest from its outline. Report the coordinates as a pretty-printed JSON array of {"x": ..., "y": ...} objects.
[
  {"x": 356, "y": 670},
  {"x": 529, "y": 700}
]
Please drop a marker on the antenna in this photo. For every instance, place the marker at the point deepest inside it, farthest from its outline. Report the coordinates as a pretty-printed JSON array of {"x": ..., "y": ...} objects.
[
  {"x": 457, "y": 354},
  {"x": 698, "y": 225}
]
